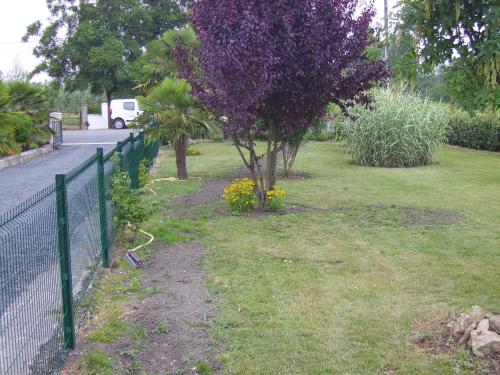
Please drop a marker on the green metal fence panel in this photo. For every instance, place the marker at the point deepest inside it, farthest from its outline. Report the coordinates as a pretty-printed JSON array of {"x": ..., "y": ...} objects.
[
  {"x": 52, "y": 248},
  {"x": 65, "y": 260},
  {"x": 102, "y": 208},
  {"x": 31, "y": 321},
  {"x": 85, "y": 235},
  {"x": 109, "y": 169}
]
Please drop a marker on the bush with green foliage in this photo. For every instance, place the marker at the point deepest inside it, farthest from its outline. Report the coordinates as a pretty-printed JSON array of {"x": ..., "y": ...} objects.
[
  {"x": 193, "y": 151},
  {"x": 130, "y": 207},
  {"x": 480, "y": 131},
  {"x": 398, "y": 130},
  {"x": 23, "y": 119},
  {"x": 24, "y": 129},
  {"x": 144, "y": 175}
]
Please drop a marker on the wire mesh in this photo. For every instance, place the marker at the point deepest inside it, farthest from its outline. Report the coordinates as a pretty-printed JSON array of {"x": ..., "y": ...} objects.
[
  {"x": 84, "y": 234},
  {"x": 31, "y": 330},
  {"x": 32, "y": 316},
  {"x": 109, "y": 169}
]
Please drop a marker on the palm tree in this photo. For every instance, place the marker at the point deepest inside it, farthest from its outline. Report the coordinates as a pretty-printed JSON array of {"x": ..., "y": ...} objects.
[
  {"x": 159, "y": 59},
  {"x": 8, "y": 144},
  {"x": 171, "y": 112}
]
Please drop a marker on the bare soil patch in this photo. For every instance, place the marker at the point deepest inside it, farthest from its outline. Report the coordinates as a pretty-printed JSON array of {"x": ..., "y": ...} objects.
[
  {"x": 297, "y": 175},
  {"x": 183, "y": 304},
  {"x": 172, "y": 321},
  {"x": 422, "y": 217}
]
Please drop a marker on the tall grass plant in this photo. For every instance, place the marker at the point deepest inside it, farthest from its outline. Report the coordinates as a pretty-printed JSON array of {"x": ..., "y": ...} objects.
[{"x": 398, "y": 130}]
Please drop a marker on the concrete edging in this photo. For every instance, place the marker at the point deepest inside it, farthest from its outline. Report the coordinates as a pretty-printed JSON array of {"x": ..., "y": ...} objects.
[{"x": 24, "y": 156}]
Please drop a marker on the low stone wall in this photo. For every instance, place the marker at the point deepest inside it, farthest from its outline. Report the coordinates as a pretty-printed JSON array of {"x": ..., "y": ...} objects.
[{"x": 24, "y": 156}]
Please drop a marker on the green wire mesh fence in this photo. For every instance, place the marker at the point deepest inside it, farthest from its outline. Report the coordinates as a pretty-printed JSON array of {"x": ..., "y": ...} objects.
[{"x": 52, "y": 247}]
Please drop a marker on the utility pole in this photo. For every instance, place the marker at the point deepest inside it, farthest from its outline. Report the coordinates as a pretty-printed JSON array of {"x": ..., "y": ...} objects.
[{"x": 386, "y": 30}]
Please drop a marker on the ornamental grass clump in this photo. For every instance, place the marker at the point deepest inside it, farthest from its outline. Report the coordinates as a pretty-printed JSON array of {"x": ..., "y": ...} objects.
[
  {"x": 275, "y": 199},
  {"x": 399, "y": 130},
  {"x": 240, "y": 196}
]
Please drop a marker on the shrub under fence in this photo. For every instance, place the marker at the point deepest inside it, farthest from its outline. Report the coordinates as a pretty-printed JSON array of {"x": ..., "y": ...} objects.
[{"x": 52, "y": 247}]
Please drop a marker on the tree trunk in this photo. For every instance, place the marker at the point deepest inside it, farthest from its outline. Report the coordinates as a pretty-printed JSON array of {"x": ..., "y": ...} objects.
[
  {"x": 289, "y": 155},
  {"x": 272, "y": 162},
  {"x": 181, "y": 147},
  {"x": 264, "y": 176},
  {"x": 109, "y": 97}
]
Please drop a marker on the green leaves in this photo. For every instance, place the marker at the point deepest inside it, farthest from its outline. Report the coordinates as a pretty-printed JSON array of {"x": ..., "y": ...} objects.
[
  {"x": 170, "y": 111},
  {"x": 462, "y": 37},
  {"x": 130, "y": 207},
  {"x": 159, "y": 60},
  {"x": 102, "y": 40},
  {"x": 19, "y": 104}
]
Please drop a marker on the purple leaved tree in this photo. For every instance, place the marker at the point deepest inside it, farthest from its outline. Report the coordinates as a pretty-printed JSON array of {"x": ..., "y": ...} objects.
[{"x": 271, "y": 67}]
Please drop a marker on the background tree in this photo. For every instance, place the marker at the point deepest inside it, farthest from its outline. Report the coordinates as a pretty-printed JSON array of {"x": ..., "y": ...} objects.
[
  {"x": 279, "y": 62},
  {"x": 462, "y": 37},
  {"x": 97, "y": 44},
  {"x": 159, "y": 62},
  {"x": 171, "y": 111}
]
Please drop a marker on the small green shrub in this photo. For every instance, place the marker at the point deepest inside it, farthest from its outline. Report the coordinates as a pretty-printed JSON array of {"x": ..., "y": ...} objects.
[
  {"x": 130, "y": 207},
  {"x": 217, "y": 137},
  {"x": 399, "y": 130},
  {"x": 480, "y": 131},
  {"x": 144, "y": 176},
  {"x": 8, "y": 145},
  {"x": 33, "y": 146},
  {"x": 319, "y": 136},
  {"x": 193, "y": 151},
  {"x": 24, "y": 129},
  {"x": 94, "y": 109}
]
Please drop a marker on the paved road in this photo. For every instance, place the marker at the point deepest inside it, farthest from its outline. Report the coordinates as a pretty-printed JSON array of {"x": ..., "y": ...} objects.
[{"x": 20, "y": 182}]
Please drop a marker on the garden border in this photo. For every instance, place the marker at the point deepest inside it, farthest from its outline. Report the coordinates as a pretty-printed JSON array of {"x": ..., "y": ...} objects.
[{"x": 23, "y": 157}]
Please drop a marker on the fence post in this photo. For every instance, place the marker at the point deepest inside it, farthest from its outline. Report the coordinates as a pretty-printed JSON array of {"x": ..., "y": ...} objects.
[
  {"x": 65, "y": 260},
  {"x": 119, "y": 149},
  {"x": 133, "y": 171},
  {"x": 103, "y": 218}
]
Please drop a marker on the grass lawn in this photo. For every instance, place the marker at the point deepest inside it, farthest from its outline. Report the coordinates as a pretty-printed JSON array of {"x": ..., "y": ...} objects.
[{"x": 339, "y": 288}]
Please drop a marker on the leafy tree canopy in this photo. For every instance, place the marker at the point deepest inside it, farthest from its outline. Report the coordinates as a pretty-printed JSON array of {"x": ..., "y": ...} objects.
[
  {"x": 96, "y": 43},
  {"x": 278, "y": 63},
  {"x": 282, "y": 60},
  {"x": 159, "y": 59},
  {"x": 460, "y": 35}
]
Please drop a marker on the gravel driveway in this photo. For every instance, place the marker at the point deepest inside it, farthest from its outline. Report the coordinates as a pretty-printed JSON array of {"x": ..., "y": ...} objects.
[{"x": 20, "y": 182}]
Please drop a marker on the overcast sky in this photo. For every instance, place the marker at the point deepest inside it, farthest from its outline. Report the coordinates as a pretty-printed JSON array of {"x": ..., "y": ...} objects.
[{"x": 17, "y": 14}]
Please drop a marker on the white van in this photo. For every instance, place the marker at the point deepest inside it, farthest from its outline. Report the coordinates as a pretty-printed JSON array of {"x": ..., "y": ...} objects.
[{"x": 123, "y": 112}]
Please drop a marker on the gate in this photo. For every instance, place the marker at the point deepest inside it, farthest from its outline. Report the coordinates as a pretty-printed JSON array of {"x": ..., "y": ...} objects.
[{"x": 55, "y": 124}]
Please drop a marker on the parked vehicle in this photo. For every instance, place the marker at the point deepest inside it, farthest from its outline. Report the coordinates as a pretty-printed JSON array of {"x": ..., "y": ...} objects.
[{"x": 123, "y": 112}]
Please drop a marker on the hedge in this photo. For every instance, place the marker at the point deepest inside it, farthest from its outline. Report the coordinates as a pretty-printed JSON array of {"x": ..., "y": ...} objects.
[{"x": 480, "y": 131}]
